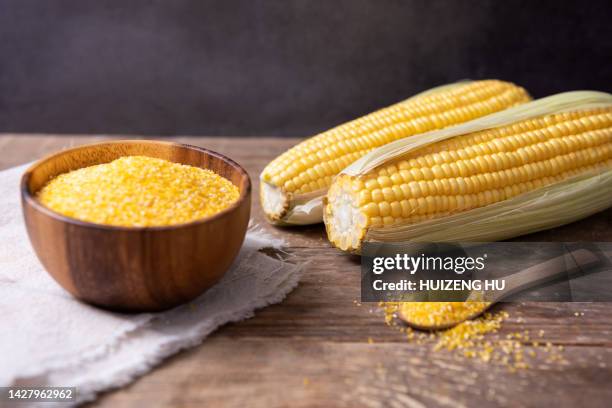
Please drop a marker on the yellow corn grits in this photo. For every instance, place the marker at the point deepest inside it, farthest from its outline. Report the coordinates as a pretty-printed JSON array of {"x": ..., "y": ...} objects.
[
  {"x": 139, "y": 191},
  {"x": 478, "y": 338},
  {"x": 432, "y": 314}
]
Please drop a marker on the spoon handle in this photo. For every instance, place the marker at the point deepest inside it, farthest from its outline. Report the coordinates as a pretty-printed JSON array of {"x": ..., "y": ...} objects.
[{"x": 564, "y": 265}]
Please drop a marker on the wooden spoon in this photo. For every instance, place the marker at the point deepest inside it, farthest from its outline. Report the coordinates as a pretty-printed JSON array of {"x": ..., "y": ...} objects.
[{"x": 519, "y": 281}]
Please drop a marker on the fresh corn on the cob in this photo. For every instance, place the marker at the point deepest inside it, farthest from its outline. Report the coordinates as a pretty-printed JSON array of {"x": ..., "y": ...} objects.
[
  {"x": 532, "y": 167},
  {"x": 293, "y": 184}
]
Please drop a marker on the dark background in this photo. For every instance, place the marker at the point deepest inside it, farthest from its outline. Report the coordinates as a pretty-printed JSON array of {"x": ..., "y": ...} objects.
[{"x": 276, "y": 67}]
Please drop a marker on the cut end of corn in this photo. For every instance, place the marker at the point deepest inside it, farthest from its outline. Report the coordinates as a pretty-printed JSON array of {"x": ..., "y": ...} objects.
[
  {"x": 274, "y": 201},
  {"x": 346, "y": 222},
  {"x": 309, "y": 168}
]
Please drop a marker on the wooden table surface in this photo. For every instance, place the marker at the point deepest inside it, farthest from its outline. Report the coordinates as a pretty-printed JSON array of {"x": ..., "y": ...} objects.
[{"x": 313, "y": 349}]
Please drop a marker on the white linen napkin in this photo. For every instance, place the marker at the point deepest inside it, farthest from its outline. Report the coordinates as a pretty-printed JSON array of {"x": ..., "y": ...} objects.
[{"x": 48, "y": 338}]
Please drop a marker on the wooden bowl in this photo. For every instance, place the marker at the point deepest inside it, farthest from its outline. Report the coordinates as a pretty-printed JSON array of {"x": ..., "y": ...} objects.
[{"x": 135, "y": 268}]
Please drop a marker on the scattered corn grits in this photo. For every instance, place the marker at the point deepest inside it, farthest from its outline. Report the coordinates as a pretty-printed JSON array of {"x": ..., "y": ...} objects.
[
  {"x": 478, "y": 338},
  {"x": 139, "y": 191}
]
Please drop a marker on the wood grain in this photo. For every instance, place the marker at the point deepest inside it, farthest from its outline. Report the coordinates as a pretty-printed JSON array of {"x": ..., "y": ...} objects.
[
  {"x": 135, "y": 269},
  {"x": 320, "y": 335}
]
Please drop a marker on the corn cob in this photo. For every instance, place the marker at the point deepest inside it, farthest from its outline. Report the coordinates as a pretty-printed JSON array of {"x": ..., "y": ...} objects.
[
  {"x": 293, "y": 184},
  {"x": 531, "y": 167}
]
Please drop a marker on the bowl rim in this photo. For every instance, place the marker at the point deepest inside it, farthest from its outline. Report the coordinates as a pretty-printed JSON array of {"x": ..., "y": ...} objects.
[{"x": 36, "y": 204}]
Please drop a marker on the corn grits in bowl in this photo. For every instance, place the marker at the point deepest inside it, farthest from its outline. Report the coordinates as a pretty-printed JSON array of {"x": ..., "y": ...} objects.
[
  {"x": 139, "y": 191},
  {"x": 136, "y": 225}
]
